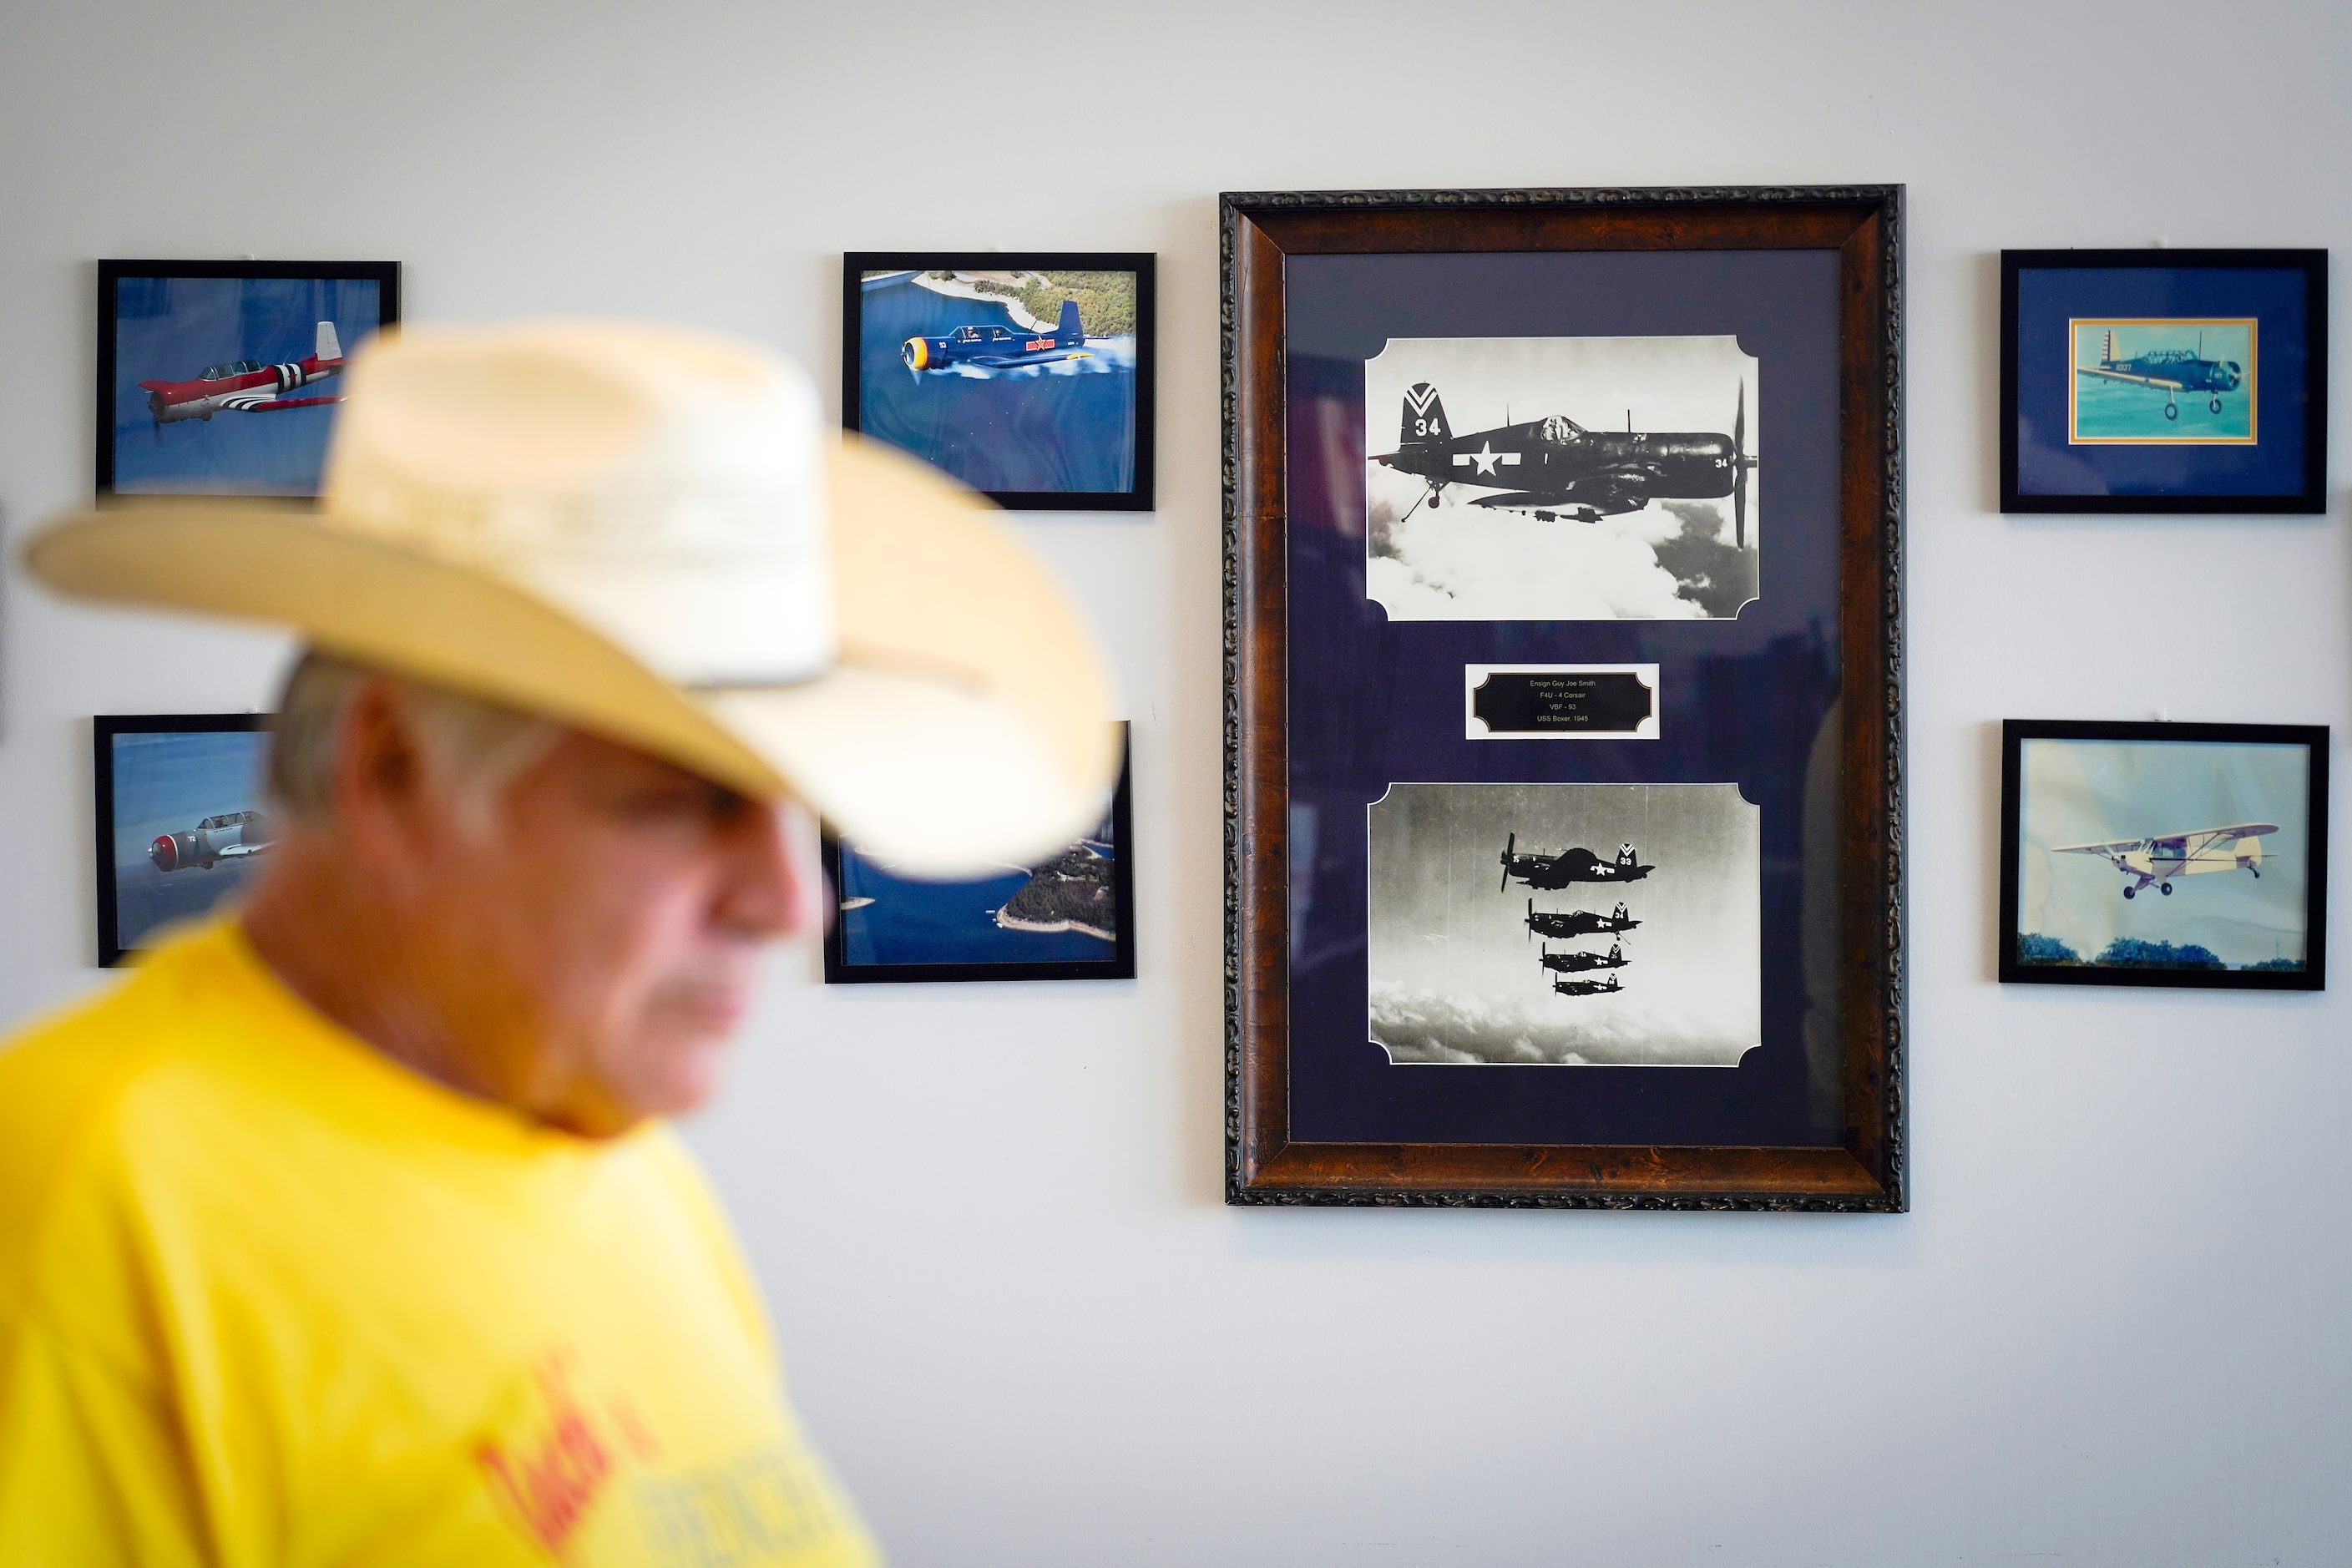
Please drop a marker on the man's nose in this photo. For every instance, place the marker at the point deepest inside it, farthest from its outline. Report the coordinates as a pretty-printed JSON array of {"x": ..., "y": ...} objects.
[{"x": 773, "y": 890}]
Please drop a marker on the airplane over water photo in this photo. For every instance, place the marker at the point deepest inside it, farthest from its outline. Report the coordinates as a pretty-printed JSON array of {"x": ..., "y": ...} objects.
[
  {"x": 1012, "y": 382},
  {"x": 2179, "y": 383},
  {"x": 228, "y": 385},
  {"x": 188, "y": 829}
]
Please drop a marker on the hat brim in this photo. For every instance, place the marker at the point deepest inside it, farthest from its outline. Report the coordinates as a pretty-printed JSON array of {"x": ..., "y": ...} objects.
[{"x": 965, "y": 725}]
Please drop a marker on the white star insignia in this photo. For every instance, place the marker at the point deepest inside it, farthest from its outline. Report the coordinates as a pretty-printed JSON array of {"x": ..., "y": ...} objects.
[{"x": 1484, "y": 456}]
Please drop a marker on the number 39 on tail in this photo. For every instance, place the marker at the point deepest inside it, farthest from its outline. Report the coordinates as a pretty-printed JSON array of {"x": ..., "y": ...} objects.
[{"x": 2159, "y": 860}]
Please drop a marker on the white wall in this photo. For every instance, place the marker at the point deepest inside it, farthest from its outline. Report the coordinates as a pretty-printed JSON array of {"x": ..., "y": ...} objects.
[{"x": 1017, "y": 1312}]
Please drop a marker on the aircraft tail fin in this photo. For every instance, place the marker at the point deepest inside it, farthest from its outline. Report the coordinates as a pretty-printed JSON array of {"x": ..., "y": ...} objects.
[
  {"x": 1069, "y": 332},
  {"x": 1424, "y": 418},
  {"x": 330, "y": 345}
]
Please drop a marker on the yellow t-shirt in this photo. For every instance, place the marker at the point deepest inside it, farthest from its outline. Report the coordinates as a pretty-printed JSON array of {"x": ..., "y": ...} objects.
[{"x": 268, "y": 1298}]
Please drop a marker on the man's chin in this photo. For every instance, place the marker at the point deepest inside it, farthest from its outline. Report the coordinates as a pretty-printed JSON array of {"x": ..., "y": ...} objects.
[{"x": 686, "y": 1073}]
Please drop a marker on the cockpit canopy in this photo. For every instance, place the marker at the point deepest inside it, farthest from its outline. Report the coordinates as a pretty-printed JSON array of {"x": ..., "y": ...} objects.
[
  {"x": 234, "y": 367},
  {"x": 1563, "y": 431}
]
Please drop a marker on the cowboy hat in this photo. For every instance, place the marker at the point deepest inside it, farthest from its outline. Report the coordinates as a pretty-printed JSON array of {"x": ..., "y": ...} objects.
[{"x": 645, "y": 533}]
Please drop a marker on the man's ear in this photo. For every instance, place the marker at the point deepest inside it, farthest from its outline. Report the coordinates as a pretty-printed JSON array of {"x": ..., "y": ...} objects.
[{"x": 388, "y": 805}]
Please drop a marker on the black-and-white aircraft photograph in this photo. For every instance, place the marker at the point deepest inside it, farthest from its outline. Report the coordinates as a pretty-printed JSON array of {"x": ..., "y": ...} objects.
[
  {"x": 1660, "y": 970},
  {"x": 1562, "y": 479}
]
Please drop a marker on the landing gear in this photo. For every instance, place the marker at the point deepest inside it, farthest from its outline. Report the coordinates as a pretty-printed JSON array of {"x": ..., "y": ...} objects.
[
  {"x": 2215, "y": 406},
  {"x": 2165, "y": 888},
  {"x": 2131, "y": 892},
  {"x": 2171, "y": 409},
  {"x": 1436, "y": 497}
]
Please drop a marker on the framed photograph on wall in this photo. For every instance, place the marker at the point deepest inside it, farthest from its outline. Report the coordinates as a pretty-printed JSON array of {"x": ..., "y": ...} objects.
[
  {"x": 2183, "y": 855},
  {"x": 1507, "y": 468},
  {"x": 2163, "y": 381},
  {"x": 179, "y": 813},
  {"x": 1028, "y": 376},
  {"x": 222, "y": 377},
  {"x": 1071, "y": 916}
]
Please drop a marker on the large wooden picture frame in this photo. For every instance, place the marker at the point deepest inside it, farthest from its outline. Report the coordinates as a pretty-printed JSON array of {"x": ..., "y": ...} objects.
[{"x": 1333, "y": 702}]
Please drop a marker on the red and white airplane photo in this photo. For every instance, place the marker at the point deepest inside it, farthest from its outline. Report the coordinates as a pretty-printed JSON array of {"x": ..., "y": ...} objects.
[{"x": 246, "y": 386}]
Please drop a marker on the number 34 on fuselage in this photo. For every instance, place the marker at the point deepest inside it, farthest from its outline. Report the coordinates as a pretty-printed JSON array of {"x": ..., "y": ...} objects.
[{"x": 1555, "y": 468}]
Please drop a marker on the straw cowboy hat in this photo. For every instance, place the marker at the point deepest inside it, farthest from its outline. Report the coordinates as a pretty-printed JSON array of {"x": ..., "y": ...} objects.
[{"x": 648, "y": 534}]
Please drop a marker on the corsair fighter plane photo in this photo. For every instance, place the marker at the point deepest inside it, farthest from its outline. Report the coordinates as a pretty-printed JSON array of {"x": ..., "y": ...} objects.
[
  {"x": 245, "y": 385},
  {"x": 1557, "y": 469},
  {"x": 1587, "y": 987},
  {"x": 1575, "y": 960},
  {"x": 1546, "y": 873},
  {"x": 2159, "y": 860},
  {"x": 2168, "y": 371},
  {"x": 998, "y": 347},
  {"x": 1577, "y": 922}
]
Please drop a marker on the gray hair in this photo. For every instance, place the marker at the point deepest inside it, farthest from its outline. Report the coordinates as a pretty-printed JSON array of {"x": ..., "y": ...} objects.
[{"x": 476, "y": 748}]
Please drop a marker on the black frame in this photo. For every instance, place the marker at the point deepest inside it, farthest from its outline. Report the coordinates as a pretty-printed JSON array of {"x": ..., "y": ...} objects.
[
  {"x": 2313, "y": 264},
  {"x": 385, "y": 274},
  {"x": 1143, "y": 264},
  {"x": 1119, "y": 966},
  {"x": 2313, "y": 737},
  {"x": 1265, "y": 1163},
  {"x": 103, "y": 728}
]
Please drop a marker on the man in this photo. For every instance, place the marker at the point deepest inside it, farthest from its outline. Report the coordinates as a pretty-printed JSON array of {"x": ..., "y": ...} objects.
[{"x": 347, "y": 1230}]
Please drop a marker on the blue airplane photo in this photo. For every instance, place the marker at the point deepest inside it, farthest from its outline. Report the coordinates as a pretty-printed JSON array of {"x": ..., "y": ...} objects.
[
  {"x": 998, "y": 347},
  {"x": 2169, "y": 370}
]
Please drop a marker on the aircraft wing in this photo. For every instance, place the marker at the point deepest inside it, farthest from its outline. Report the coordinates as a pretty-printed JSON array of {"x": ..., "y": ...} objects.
[
  {"x": 1007, "y": 362},
  {"x": 266, "y": 403},
  {"x": 2115, "y": 846},
  {"x": 1518, "y": 498},
  {"x": 1619, "y": 488},
  {"x": 238, "y": 851},
  {"x": 2176, "y": 841},
  {"x": 2135, "y": 380},
  {"x": 2204, "y": 837}
]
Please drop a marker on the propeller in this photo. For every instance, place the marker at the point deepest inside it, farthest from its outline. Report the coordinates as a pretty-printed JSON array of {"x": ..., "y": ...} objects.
[
  {"x": 1506, "y": 885},
  {"x": 1742, "y": 463},
  {"x": 1531, "y": 917}
]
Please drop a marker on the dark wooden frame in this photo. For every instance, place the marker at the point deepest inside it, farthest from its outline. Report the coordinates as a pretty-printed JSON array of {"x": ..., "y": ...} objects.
[
  {"x": 2311, "y": 264},
  {"x": 2313, "y": 976},
  {"x": 1264, "y": 1166},
  {"x": 1143, "y": 264},
  {"x": 103, "y": 728},
  {"x": 385, "y": 274},
  {"x": 1118, "y": 965}
]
